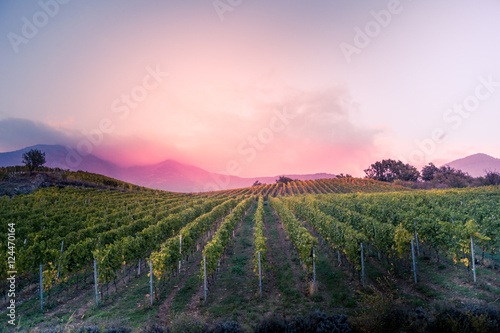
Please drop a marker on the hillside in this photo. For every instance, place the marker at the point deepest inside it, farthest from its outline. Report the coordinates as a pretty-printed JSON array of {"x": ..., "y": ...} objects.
[
  {"x": 14, "y": 183},
  {"x": 319, "y": 186},
  {"x": 17, "y": 182},
  {"x": 123, "y": 230}
]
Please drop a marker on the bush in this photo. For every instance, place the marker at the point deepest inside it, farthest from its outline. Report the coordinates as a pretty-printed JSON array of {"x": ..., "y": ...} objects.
[
  {"x": 400, "y": 320},
  {"x": 469, "y": 319},
  {"x": 187, "y": 324},
  {"x": 317, "y": 322},
  {"x": 449, "y": 320},
  {"x": 118, "y": 330},
  {"x": 154, "y": 328},
  {"x": 96, "y": 329},
  {"x": 89, "y": 329},
  {"x": 337, "y": 323},
  {"x": 272, "y": 325},
  {"x": 227, "y": 327}
]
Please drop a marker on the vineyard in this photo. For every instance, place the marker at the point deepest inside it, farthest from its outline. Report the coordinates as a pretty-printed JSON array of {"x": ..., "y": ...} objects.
[
  {"x": 320, "y": 186},
  {"x": 84, "y": 256}
]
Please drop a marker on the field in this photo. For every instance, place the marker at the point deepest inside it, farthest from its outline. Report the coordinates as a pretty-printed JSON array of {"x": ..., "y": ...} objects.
[{"x": 339, "y": 246}]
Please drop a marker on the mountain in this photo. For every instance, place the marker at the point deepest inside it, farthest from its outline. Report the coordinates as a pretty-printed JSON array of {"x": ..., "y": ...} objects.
[
  {"x": 476, "y": 165},
  {"x": 168, "y": 175},
  {"x": 58, "y": 156},
  {"x": 175, "y": 176}
]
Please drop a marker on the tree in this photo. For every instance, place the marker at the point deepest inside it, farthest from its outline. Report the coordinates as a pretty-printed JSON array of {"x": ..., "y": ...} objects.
[
  {"x": 284, "y": 180},
  {"x": 34, "y": 159},
  {"x": 492, "y": 178},
  {"x": 257, "y": 183},
  {"x": 408, "y": 173},
  {"x": 3, "y": 174},
  {"x": 391, "y": 170},
  {"x": 452, "y": 177},
  {"x": 429, "y": 171},
  {"x": 344, "y": 176},
  {"x": 377, "y": 171}
]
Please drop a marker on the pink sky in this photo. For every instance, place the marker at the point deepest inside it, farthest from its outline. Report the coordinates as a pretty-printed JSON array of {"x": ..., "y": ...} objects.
[{"x": 203, "y": 87}]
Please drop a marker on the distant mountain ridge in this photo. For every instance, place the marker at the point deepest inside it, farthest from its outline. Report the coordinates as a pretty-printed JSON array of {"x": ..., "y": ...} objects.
[
  {"x": 56, "y": 156},
  {"x": 168, "y": 175},
  {"x": 476, "y": 165}
]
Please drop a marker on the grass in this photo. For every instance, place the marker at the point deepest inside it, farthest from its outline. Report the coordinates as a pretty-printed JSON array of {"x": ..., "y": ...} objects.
[
  {"x": 130, "y": 304},
  {"x": 333, "y": 280},
  {"x": 33, "y": 316},
  {"x": 373, "y": 273},
  {"x": 185, "y": 294}
]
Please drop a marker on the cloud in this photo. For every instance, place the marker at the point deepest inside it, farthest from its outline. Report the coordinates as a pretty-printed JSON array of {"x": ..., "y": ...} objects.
[
  {"x": 133, "y": 150},
  {"x": 17, "y": 133},
  {"x": 328, "y": 117},
  {"x": 209, "y": 126},
  {"x": 214, "y": 124}
]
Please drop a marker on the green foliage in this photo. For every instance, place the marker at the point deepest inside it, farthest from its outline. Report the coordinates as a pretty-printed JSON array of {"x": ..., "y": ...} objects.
[
  {"x": 450, "y": 177},
  {"x": 167, "y": 258},
  {"x": 300, "y": 236},
  {"x": 444, "y": 219},
  {"x": 325, "y": 220},
  {"x": 96, "y": 179},
  {"x": 215, "y": 248},
  {"x": 402, "y": 240},
  {"x": 429, "y": 171},
  {"x": 492, "y": 178},
  {"x": 260, "y": 239},
  {"x": 117, "y": 227},
  {"x": 390, "y": 170}
]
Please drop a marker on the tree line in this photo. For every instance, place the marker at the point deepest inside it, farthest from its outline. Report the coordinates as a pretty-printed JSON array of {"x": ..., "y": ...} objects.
[{"x": 430, "y": 176}]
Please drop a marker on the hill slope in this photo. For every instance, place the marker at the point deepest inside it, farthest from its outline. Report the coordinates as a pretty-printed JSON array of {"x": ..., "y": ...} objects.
[{"x": 91, "y": 221}]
